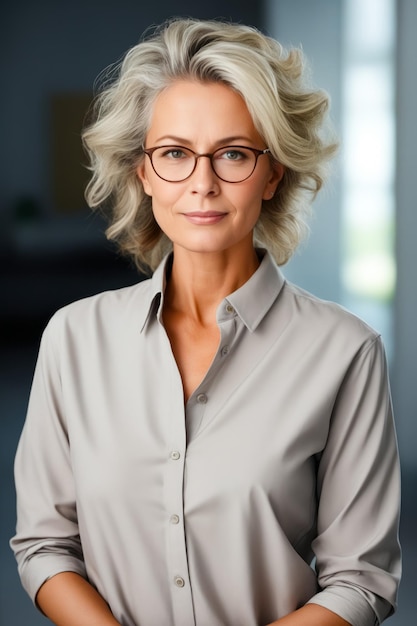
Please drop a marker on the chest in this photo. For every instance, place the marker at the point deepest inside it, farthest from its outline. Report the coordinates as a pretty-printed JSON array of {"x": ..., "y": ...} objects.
[
  {"x": 194, "y": 347},
  {"x": 250, "y": 431}
]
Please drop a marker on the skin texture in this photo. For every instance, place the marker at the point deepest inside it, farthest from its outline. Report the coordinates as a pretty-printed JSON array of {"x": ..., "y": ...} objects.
[
  {"x": 69, "y": 600},
  {"x": 311, "y": 615},
  {"x": 204, "y": 117},
  {"x": 210, "y": 223}
]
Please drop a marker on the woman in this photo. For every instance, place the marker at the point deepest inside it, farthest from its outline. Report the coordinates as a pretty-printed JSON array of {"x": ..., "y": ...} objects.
[{"x": 192, "y": 442}]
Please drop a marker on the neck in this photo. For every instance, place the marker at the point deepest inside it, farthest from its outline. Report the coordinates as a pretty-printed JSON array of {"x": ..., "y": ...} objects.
[{"x": 200, "y": 281}]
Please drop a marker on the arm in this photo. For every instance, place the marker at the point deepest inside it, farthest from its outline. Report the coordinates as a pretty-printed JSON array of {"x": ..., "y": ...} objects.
[
  {"x": 47, "y": 542},
  {"x": 356, "y": 548},
  {"x": 67, "y": 599},
  {"x": 47, "y": 538},
  {"x": 311, "y": 615}
]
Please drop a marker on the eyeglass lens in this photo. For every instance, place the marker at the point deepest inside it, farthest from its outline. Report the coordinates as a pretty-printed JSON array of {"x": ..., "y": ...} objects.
[{"x": 230, "y": 163}]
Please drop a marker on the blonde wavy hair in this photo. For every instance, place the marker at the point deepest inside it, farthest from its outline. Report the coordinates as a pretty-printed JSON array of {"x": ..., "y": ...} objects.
[{"x": 288, "y": 113}]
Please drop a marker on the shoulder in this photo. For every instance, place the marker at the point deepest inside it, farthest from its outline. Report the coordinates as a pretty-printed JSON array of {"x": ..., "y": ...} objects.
[
  {"x": 124, "y": 306},
  {"x": 324, "y": 320}
]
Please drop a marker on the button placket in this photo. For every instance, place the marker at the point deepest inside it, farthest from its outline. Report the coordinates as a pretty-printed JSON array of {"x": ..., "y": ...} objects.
[
  {"x": 173, "y": 501},
  {"x": 202, "y": 398},
  {"x": 225, "y": 350},
  {"x": 175, "y": 537},
  {"x": 227, "y": 331}
]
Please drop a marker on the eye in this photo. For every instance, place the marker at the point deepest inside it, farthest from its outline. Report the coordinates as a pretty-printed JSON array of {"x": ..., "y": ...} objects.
[
  {"x": 174, "y": 153},
  {"x": 232, "y": 154}
]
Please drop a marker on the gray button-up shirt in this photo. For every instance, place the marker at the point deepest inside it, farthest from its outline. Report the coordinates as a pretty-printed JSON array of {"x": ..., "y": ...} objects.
[{"x": 211, "y": 514}]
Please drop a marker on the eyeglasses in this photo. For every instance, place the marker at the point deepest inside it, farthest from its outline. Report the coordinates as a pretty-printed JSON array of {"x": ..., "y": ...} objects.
[{"x": 232, "y": 164}]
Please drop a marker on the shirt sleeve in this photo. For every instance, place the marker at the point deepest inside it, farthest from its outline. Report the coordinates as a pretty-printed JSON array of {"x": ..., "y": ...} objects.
[
  {"x": 47, "y": 539},
  {"x": 357, "y": 551}
]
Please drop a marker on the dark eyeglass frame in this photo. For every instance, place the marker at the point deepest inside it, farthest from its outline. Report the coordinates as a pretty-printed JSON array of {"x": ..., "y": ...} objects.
[{"x": 210, "y": 155}]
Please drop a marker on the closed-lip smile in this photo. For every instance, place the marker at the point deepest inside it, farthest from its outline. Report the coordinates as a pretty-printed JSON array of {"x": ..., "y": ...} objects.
[{"x": 204, "y": 217}]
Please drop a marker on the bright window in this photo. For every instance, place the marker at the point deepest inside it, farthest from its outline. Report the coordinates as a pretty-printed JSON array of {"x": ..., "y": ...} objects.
[{"x": 368, "y": 157}]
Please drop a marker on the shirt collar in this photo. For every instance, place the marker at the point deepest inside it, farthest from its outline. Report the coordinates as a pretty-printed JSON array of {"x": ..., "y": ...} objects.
[
  {"x": 156, "y": 294},
  {"x": 251, "y": 302}
]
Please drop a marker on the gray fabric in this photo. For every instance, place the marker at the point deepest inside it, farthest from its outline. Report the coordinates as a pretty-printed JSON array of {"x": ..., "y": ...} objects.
[{"x": 211, "y": 514}]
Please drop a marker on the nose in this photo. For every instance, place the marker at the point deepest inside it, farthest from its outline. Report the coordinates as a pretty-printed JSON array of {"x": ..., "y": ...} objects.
[{"x": 203, "y": 179}]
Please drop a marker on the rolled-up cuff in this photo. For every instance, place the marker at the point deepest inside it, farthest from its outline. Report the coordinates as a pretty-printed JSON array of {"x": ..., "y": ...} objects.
[
  {"x": 352, "y": 605},
  {"x": 38, "y": 570}
]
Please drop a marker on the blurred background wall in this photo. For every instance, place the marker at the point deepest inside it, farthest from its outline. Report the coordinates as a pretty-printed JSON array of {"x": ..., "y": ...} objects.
[{"x": 52, "y": 250}]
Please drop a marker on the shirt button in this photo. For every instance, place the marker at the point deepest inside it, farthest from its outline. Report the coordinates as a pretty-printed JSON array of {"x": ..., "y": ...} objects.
[
  {"x": 229, "y": 309},
  {"x": 225, "y": 350},
  {"x": 175, "y": 455},
  {"x": 201, "y": 398},
  {"x": 174, "y": 519},
  {"x": 180, "y": 582}
]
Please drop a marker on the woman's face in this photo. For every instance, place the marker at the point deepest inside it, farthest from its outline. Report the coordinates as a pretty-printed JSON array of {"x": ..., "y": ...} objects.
[{"x": 203, "y": 213}]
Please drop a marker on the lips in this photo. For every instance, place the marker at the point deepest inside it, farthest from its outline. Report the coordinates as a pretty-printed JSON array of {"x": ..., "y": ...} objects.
[{"x": 204, "y": 217}]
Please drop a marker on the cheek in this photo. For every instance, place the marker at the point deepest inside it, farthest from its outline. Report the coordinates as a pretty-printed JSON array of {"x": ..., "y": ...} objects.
[
  {"x": 158, "y": 212},
  {"x": 164, "y": 201},
  {"x": 164, "y": 198},
  {"x": 163, "y": 194},
  {"x": 250, "y": 199}
]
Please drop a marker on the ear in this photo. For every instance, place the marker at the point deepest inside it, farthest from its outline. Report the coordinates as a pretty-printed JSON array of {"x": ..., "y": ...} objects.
[
  {"x": 143, "y": 177},
  {"x": 277, "y": 172}
]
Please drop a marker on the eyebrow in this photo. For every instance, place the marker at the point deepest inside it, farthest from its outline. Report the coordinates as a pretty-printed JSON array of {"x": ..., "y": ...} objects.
[{"x": 224, "y": 141}]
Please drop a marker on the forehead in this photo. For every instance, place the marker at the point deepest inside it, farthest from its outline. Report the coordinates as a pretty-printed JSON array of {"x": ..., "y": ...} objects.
[{"x": 200, "y": 111}]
